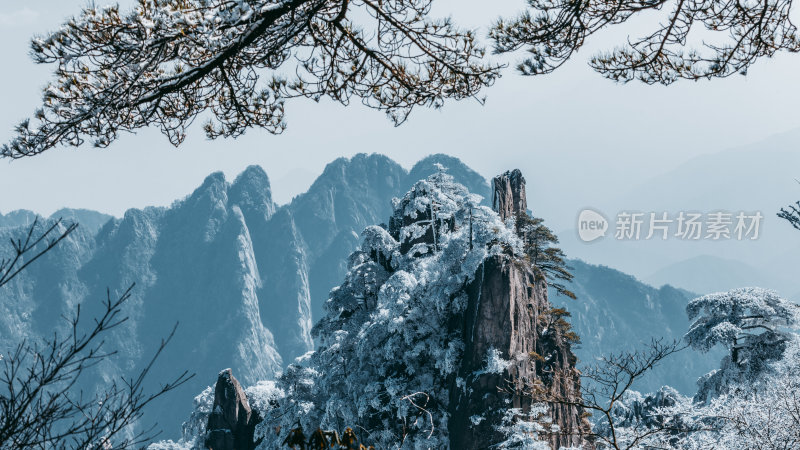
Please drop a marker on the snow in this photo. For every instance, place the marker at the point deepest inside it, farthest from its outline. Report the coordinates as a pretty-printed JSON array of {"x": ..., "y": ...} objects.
[
  {"x": 754, "y": 324},
  {"x": 495, "y": 362},
  {"x": 752, "y": 402},
  {"x": 523, "y": 431}
]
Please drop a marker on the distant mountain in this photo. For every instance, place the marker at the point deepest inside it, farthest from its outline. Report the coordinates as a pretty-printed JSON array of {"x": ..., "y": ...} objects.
[
  {"x": 753, "y": 176},
  {"x": 705, "y": 274},
  {"x": 88, "y": 220},
  {"x": 18, "y": 218},
  {"x": 239, "y": 273},
  {"x": 757, "y": 177},
  {"x": 32, "y": 304},
  {"x": 247, "y": 278},
  {"x": 615, "y": 312}
]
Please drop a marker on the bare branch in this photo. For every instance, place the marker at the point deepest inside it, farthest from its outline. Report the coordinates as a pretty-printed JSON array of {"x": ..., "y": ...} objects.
[
  {"x": 32, "y": 247},
  {"x": 39, "y": 405},
  {"x": 604, "y": 385}
]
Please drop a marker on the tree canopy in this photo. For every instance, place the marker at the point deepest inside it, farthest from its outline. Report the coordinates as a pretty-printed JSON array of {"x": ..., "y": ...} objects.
[
  {"x": 750, "y": 322},
  {"x": 696, "y": 39}
]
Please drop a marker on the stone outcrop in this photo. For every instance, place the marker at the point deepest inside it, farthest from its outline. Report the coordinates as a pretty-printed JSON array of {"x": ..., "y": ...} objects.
[
  {"x": 508, "y": 194},
  {"x": 232, "y": 423},
  {"x": 507, "y": 317}
]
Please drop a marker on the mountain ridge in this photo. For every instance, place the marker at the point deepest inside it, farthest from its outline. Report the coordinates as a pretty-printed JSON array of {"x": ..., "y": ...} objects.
[{"x": 245, "y": 278}]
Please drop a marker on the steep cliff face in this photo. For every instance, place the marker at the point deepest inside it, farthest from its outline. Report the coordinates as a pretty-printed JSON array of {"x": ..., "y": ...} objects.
[
  {"x": 196, "y": 263},
  {"x": 506, "y": 319},
  {"x": 29, "y": 309}
]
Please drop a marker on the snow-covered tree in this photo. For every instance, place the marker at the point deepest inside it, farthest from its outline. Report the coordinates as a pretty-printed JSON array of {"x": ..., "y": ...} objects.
[
  {"x": 523, "y": 430},
  {"x": 388, "y": 349},
  {"x": 166, "y": 62},
  {"x": 740, "y": 320},
  {"x": 767, "y": 418},
  {"x": 762, "y": 418},
  {"x": 752, "y": 323},
  {"x": 749, "y": 403},
  {"x": 753, "y": 413}
]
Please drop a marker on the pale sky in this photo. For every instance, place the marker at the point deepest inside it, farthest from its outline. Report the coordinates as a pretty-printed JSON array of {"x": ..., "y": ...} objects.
[{"x": 575, "y": 135}]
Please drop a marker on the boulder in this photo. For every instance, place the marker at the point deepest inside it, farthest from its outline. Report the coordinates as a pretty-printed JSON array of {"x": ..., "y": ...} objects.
[{"x": 232, "y": 423}]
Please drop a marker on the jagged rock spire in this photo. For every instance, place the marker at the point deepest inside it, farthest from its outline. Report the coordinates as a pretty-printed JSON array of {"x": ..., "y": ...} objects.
[
  {"x": 509, "y": 350},
  {"x": 232, "y": 423},
  {"x": 508, "y": 194}
]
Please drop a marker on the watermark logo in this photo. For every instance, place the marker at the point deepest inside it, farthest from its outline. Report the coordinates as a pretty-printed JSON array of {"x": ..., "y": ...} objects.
[
  {"x": 687, "y": 226},
  {"x": 591, "y": 225}
]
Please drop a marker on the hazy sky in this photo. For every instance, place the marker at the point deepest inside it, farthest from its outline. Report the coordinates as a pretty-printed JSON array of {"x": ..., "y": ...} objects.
[{"x": 574, "y": 134}]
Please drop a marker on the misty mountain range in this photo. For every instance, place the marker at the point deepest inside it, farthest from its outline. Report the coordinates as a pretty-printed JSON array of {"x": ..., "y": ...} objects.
[
  {"x": 246, "y": 278},
  {"x": 760, "y": 176}
]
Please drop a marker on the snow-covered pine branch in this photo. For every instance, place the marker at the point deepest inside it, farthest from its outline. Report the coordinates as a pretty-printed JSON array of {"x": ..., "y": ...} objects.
[
  {"x": 791, "y": 214},
  {"x": 166, "y": 62},
  {"x": 735, "y": 35}
]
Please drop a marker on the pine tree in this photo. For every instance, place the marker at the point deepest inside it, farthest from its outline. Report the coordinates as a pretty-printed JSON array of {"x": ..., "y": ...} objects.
[
  {"x": 748, "y": 321},
  {"x": 754, "y": 324},
  {"x": 549, "y": 261}
]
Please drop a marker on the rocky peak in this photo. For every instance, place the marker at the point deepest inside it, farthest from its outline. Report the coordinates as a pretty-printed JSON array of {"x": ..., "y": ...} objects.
[
  {"x": 508, "y": 194},
  {"x": 509, "y": 348},
  {"x": 251, "y": 191},
  {"x": 232, "y": 423},
  {"x": 214, "y": 187}
]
